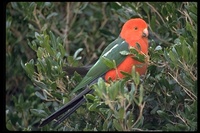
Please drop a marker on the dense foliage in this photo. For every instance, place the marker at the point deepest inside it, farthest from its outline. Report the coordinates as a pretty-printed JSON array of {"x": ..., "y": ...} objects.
[{"x": 42, "y": 38}]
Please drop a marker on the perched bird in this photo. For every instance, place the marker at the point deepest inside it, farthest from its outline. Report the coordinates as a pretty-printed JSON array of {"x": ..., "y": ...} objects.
[{"x": 134, "y": 32}]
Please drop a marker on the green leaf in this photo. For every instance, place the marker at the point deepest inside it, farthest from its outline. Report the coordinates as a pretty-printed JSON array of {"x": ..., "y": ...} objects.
[
  {"x": 153, "y": 111},
  {"x": 40, "y": 52},
  {"x": 37, "y": 35},
  {"x": 173, "y": 58},
  {"x": 113, "y": 91},
  {"x": 136, "y": 55},
  {"x": 126, "y": 74},
  {"x": 9, "y": 124},
  {"x": 140, "y": 122},
  {"x": 70, "y": 59},
  {"x": 42, "y": 64},
  {"x": 182, "y": 127},
  {"x": 132, "y": 91},
  {"x": 135, "y": 100},
  {"x": 94, "y": 107},
  {"x": 38, "y": 112},
  {"x": 75, "y": 56},
  {"x": 58, "y": 55},
  {"x": 29, "y": 67},
  {"x": 48, "y": 66},
  {"x": 38, "y": 94},
  {"x": 52, "y": 15},
  {"x": 140, "y": 58},
  {"x": 109, "y": 63},
  {"x": 62, "y": 50},
  {"x": 58, "y": 95},
  {"x": 163, "y": 115},
  {"x": 133, "y": 51},
  {"x": 90, "y": 96},
  {"x": 121, "y": 113},
  {"x": 40, "y": 84},
  {"x": 166, "y": 55},
  {"x": 117, "y": 125},
  {"x": 53, "y": 85},
  {"x": 77, "y": 77},
  {"x": 53, "y": 40},
  {"x": 124, "y": 52},
  {"x": 115, "y": 6},
  {"x": 47, "y": 46},
  {"x": 32, "y": 45},
  {"x": 135, "y": 76},
  {"x": 130, "y": 119},
  {"x": 100, "y": 88},
  {"x": 158, "y": 48}
]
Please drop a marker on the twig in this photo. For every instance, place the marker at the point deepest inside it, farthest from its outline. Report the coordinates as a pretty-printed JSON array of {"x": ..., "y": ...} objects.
[
  {"x": 178, "y": 115},
  {"x": 53, "y": 28},
  {"x": 162, "y": 40},
  {"x": 67, "y": 18},
  {"x": 104, "y": 17},
  {"x": 155, "y": 11},
  {"x": 75, "y": 15},
  {"x": 140, "y": 115},
  {"x": 34, "y": 14},
  {"x": 184, "y": 88},
  {"x": 157, "y": 64},
  {"x": 184, "y": 13},
  {"x": 55, "y": 99},
  {"x": 188, "y": 70},
  {"x": 60, "y": 85}
]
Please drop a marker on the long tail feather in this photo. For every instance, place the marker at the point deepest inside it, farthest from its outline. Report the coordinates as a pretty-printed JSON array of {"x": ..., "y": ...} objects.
[
  {"x": 72, "y": 104},
  {"x": 77, "y": 105},
  {"x": 70, "y": 107}
]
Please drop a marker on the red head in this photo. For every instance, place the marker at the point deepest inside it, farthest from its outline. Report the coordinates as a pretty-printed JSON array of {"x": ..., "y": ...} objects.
[{"x": 135, "y": 30}]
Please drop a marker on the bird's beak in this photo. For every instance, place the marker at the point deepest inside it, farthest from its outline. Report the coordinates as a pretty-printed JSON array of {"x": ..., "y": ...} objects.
[{"x": 145, "y": 33}]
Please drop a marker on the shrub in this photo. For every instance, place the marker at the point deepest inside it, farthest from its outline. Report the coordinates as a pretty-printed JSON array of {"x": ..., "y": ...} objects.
[{"x": 45, "y": 38}]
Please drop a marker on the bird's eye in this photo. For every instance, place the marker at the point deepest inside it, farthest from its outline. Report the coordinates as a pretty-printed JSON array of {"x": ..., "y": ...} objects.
[{"x": 135, "y": 28}]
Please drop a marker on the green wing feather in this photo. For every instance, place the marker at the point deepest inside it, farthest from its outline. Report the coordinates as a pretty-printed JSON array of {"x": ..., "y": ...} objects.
[{"x": 112, "y": 52}]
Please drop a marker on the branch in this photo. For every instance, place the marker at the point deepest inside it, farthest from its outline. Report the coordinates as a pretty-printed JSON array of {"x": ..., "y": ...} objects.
[
  {"x": 140, "y": 115},
  {"x": 66, "y": 30},
  {"x": 34, "y": 14}
]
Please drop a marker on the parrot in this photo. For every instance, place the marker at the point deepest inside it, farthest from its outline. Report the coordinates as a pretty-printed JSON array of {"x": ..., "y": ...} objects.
[{"x": 133, "y": 32}]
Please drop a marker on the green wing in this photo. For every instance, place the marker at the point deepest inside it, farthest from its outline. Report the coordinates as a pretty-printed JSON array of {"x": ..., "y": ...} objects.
[{"x": 112, "y": 52}]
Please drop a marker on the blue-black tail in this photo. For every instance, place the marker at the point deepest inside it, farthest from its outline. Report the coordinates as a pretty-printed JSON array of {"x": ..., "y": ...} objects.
[{"x": 67, "y": 109}]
